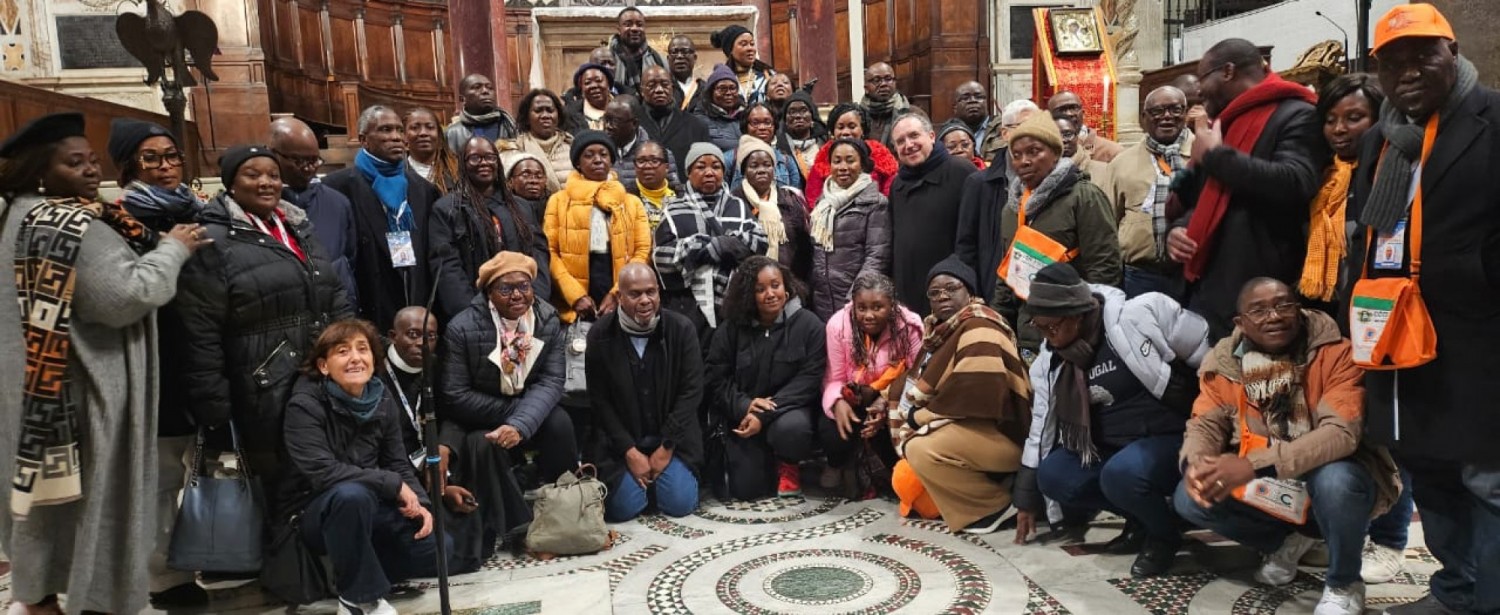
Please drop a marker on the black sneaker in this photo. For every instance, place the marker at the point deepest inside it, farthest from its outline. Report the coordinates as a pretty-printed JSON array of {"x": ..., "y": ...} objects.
[
  {"x": 1155, "y": 559},
  {"x": 1129, "y": 541},
  {"x": 183, "y": 596}
]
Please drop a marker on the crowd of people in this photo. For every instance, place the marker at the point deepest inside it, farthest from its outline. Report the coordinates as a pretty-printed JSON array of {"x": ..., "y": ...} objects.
[{"x": 1004, "y": 312}]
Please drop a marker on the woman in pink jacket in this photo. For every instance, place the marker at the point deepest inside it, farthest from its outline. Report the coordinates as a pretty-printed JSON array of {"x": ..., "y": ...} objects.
[{"x": 872, "y": 341}]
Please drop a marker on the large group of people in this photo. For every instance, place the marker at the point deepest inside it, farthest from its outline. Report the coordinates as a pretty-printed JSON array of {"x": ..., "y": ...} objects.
[{"x": 1004, "y": 312}]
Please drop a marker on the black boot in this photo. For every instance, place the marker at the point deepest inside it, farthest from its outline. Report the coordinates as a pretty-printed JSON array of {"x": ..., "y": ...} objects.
[
  {"x": 1155, "y": 559},
  {"x": 182, "y": 596},
  {"x": 1128, "y": 542}
]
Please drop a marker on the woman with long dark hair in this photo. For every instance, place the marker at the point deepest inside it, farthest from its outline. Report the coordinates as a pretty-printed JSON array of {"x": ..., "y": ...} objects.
[
  {"x": 473, "y": 223},
  {"x": 426, "y": 150},
  {"x": 765, "y": 366}
]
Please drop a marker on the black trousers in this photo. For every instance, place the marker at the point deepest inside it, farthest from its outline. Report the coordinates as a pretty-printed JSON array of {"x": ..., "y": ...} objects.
[{"x": 752, "y": 461}]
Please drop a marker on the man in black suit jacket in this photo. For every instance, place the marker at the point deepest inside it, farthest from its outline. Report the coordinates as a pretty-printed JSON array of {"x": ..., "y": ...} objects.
[
  {"x": 1269, "y": 183},
  {"x": 1442, "y": 428},
  {"x": 675, "y": 129},
  {"x": 391, "y": 203}
]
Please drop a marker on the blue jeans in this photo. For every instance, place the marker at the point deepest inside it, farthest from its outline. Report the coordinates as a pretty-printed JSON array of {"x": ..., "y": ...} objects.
[
  {"x": 1141, "y": 281},
  {"x": 676, "y": 491},
  {"x": 1460, "y": 506},
  {"x": 1342, "y": 493},
  {"x": 1391, "y": 529},
  {"x": 1135, "y": 482},
  {"x": 368, "y": 540}
]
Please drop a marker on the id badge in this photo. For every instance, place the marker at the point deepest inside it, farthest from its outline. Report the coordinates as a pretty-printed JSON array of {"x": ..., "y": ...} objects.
[
  {"x": 402, "y": 252},
  {"x": 419, "y": 458},
  {"x": 1285, "y": 499},
  {"x": 1148, "y": 206},
  {"x": 1369, "y": 316},
  {"x": 1390, "y": 249}
]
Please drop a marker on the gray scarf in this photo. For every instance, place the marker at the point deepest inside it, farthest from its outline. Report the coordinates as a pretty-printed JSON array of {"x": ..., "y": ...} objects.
[
  {"x": 1042, "y": 196},
  {"x": 1173, "y": 155},
  {"x": 634, "y": 329},
  {"x": 1389, "y": 197}
]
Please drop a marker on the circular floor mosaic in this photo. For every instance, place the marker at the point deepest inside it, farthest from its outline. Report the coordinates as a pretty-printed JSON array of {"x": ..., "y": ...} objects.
[{"x": 818, "y": 577}]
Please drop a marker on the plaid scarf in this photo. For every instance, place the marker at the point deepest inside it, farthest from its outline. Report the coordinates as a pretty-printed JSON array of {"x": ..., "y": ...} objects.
[
  {"x": 696, "y": 256},
  {"x": 1172, "y": 154},
  {"x": 49, "y": 467},
  {"x": 1274, "y": 385}
]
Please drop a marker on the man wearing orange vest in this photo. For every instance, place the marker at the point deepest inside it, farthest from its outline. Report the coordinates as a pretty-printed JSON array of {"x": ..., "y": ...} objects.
[
  {"x": 1433, "y": 150},
  {"x": 1273, "y": 450}
]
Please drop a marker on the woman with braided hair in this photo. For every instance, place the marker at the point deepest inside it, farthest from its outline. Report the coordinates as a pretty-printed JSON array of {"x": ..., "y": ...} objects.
[
  {"x": 872, "y": 341},
  {"x": 473, "y": 223},
  {"x": 427, "y": 154}
]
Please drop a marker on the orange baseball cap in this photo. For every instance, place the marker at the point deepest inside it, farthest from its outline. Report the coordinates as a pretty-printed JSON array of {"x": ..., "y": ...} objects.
[{"x": 1406, "y": 20}]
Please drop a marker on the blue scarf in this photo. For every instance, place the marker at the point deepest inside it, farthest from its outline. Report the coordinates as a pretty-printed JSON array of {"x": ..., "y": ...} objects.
[
  {"x": 389, "y": 181},
  {"x": 159, "y": 208},
  {"x": 365, "y": 407}
]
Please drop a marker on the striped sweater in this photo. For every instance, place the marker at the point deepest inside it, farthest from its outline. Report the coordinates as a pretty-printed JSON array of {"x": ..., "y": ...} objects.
[{"x": 977, "y": 373}]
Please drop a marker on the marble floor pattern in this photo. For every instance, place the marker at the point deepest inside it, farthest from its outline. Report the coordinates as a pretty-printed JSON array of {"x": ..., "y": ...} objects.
[{"x": 820, "y": 555}]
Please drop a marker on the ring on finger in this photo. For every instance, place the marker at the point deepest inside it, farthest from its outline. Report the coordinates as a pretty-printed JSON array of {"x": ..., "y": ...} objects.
[{"x": 1220, "y": 483}]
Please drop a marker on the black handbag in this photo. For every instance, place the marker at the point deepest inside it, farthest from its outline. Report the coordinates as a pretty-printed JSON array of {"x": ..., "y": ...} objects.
[
  {"x": 293, "y": 572},
  {"x": 220, "y": 522}
]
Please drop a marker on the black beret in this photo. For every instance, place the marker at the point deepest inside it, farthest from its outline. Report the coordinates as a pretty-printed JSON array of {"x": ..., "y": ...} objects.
[
  {"x": 590, "y": 137},
  {"x": 236, "y": 157},
  {"x": 125, "y": 135},
  {"x": 43, "y": 130}
]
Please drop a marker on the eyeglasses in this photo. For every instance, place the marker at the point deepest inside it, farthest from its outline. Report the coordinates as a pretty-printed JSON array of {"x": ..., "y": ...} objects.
[
  {"x": 507, "y": 290},
  {"x": 301, "y": 162},
  {"x": 1211, "y": 72},
  {"x": 945, "y": 292},
  {"x": 1262, "y": 314},
  {"x": 1049, "y": 329},
  {"x": 1159, "y": 112},
  {"x": 153, "y": 160},
  {"x": 649, "y": 161},
  {"x": 479, "y": 159}
]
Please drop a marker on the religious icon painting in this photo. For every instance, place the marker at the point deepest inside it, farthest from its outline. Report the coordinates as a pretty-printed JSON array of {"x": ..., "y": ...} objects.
[{"x": 1075, "y": 31}]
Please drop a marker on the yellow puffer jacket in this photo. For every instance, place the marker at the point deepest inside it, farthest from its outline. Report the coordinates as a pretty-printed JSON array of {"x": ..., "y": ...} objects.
[{"x": 567, "y": 229}]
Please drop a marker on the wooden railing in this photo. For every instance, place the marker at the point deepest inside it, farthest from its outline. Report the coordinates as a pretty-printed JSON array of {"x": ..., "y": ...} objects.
[{"x": 22, "y": 103}]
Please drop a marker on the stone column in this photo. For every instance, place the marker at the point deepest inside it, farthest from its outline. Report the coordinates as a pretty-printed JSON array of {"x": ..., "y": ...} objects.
[
  {"x": 856, "y": 49},
  {"x": 1125, "y": 19},
  {"x": 478, "y": 31},
  {"x": 241, "y": 107},
  {"x": 817, "y": 48},
  {"x": 1474, "y": 23}
]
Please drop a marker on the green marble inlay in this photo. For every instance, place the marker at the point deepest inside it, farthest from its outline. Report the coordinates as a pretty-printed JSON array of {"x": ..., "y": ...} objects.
[
  {"x": 514, "y": 608},
  {"x": 819, "y": 584}
]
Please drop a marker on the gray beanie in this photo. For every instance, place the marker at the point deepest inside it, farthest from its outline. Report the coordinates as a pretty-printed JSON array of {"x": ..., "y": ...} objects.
[
  {"x": 701, "y": 149},
  {"x": 1058, "y": 291}
]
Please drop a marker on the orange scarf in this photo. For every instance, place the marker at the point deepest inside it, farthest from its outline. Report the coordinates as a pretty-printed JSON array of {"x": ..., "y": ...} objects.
[{"x": 1325, "y": 242}]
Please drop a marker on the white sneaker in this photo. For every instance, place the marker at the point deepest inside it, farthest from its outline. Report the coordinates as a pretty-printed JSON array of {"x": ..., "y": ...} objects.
[
  {"x": 1281, "y": 567},
  {"x": 830, "y": 478},
  {"x": 380, "y": 607},
  {"x": 1342, "y": 601},
  {"x": 1381, "y": 564}
]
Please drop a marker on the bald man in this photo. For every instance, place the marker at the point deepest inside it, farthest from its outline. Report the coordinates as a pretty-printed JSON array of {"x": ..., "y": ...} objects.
[
  {"x": 1137, "y": 183},
  {"x": 1067, "y": 105},
  {"x": 645, "y": 386},
  {"x": 296, "y": 149},
  {"x": 413, "y": 334},
  {"x": 883, "y": 101}
]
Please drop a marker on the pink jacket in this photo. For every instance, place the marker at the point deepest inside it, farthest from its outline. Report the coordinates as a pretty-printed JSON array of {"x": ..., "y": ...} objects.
[{"x": 841, "y": 368}]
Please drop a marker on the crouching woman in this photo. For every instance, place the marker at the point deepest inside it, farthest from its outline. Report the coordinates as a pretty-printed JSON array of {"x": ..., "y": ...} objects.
[{"x": 350, "y": 479}]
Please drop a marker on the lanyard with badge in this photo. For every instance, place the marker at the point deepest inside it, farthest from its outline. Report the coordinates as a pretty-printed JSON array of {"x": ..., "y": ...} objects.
[
  {"x": 411, "y": 414},
  {"x": 1388, "y": 321},
  {"x": 1029, "y": 253},
  {"x": 399, "y": 243},
  {"x": 280, "y": 234}
]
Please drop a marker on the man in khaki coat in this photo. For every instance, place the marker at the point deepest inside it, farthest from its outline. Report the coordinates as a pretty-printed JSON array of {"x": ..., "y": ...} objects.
[{"x": 1137, "y": 182}]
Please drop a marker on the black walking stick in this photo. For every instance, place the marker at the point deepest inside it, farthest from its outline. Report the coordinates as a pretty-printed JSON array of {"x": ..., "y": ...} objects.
[{"x": 435, "y": 476}]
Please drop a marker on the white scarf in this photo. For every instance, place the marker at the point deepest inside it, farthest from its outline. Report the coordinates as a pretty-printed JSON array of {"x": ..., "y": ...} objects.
[
  {"x": 770, "y": 217},
  {"x": 833, "y": 200},
  {"x": 598, "y": 231}
]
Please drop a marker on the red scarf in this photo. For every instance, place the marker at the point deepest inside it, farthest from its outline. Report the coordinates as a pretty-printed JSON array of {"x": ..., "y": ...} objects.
[{"x": 1244, "y": 119}]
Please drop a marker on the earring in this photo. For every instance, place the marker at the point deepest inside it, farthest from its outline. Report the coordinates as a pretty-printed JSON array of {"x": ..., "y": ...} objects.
[{"x": 41, "y": 187}]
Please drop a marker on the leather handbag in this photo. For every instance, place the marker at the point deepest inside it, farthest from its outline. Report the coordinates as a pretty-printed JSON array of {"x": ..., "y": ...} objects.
[
  {"x": 292, "y": 572},
  {"x": 575, "y": 343},
  {"x": 568, "y": 515},
  {"x": 219, "y": 525}
]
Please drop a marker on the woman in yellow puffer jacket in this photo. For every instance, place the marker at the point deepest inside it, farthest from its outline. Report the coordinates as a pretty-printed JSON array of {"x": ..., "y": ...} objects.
[{"x": 594, "y": 227}]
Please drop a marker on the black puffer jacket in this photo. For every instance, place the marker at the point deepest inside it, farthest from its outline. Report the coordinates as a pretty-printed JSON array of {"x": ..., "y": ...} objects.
[
  {"x": 470, "y": 383},
  {"x": 784, "y": 363},
  {"x": 458, "y": 245},
  {"x": 326, "y": 446},
  {"x": 861, "y": 243},
  {"x": 251, "y": 311}
]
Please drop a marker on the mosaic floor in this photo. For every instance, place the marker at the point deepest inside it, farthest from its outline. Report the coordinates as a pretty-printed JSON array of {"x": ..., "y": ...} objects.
[{"x": 822, "y": 556}]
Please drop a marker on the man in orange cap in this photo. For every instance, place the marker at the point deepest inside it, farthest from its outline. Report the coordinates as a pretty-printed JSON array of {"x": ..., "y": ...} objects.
[{"x": 1443, "y": 422}]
